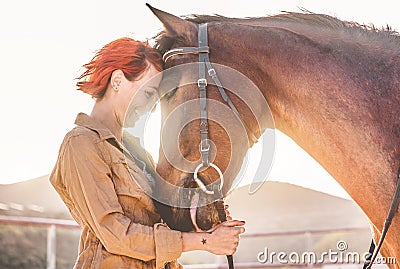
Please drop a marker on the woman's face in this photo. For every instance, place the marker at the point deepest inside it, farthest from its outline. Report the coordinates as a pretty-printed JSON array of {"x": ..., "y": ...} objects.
[{"x": 139, "y": 95}]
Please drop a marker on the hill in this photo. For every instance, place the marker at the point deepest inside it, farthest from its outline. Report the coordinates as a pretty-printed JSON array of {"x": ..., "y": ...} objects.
[
  {"x": 282, "y": 206},
  {"x": 33, "y": 197}
]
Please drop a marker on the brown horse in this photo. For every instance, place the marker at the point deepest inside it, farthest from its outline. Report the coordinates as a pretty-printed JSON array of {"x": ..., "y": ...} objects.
[{"x": 332, "y": 86}]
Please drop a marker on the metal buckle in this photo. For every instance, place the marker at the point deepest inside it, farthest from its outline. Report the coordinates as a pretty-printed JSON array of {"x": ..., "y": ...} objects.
[
  {"x": 211, "y": 72},
  {"x": 202, "y": 149},
  {"x": 202, "y": 82}
]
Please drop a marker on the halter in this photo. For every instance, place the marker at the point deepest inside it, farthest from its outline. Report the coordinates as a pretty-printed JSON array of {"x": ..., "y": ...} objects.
[{"x": 204, "y": 65}]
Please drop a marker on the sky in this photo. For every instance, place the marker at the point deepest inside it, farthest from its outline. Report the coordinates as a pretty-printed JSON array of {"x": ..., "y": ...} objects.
[{"x": 44, "y": 43}]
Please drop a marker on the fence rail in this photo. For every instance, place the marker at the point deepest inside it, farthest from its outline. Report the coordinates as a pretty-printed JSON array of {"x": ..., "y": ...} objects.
[
  {"x": 53, "y": 224},
  {"x": 62, "y": 223}
]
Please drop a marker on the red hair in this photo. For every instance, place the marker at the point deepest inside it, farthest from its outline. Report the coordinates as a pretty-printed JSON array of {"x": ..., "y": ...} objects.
[{"x": 130, "y": 56}]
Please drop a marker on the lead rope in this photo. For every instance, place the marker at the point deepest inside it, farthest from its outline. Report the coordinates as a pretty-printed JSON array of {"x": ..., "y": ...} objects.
[
  {"x": 373, "y": 251},
  {"x": 220, "y": 206}
]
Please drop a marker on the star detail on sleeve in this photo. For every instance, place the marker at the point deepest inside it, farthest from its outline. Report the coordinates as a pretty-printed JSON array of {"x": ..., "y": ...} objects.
[{"x": 204, "y": 241}]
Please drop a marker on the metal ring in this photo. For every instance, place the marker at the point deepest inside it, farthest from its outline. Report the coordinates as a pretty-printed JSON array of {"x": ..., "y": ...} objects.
[{"x": 201, "y": 184}]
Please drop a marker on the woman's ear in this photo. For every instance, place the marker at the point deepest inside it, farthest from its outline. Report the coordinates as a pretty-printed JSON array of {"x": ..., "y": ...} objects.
[{"x": 116, "y": 79}]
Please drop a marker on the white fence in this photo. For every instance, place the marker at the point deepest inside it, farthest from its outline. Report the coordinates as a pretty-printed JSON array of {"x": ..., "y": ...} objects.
[{"x": 51, "y": 225}]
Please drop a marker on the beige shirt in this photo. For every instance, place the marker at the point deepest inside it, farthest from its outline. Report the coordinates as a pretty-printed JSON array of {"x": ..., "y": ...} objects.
[{"x": 120, "y": 225}]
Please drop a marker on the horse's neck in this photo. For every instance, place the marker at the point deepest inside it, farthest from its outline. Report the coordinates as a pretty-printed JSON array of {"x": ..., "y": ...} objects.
[{"x": 327, "y": 108}]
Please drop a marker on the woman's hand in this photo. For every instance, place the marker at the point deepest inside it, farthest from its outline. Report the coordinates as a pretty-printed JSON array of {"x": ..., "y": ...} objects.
[{"x": 222, "y": 239}]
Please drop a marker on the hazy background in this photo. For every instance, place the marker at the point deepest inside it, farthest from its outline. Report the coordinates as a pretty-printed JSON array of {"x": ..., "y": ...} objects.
[{"x": 44, "y": 44}]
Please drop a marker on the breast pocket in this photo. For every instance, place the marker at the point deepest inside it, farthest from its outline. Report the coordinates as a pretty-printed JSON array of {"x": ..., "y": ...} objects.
[
  {"x": 129, "y": 180},
  {"x": 133, "y": 191}
]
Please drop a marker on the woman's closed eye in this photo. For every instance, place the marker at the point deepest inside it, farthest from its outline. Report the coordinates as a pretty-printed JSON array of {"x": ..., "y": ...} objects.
[{"x": 151, "y": 92}]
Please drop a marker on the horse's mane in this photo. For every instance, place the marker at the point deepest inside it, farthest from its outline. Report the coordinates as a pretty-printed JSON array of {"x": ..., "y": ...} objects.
[{"x": 306, "y": 18}]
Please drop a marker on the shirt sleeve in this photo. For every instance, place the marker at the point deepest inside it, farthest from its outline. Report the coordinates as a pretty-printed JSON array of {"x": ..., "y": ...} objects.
[{"x": 88, "y": 179}]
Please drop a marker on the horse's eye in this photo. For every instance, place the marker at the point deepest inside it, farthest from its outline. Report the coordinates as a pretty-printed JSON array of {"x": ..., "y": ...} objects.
[{"x": 170, "y": 93}]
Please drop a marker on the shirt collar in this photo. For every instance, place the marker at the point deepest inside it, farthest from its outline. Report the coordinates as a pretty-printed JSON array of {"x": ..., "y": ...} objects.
[{"x": 86, "y": 121}]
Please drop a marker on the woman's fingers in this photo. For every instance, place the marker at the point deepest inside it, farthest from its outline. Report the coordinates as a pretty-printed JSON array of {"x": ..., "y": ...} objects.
[
  {"x": 229, "y": 223},
  {"x": 226, "y": 237},
  {"x": 233, "y": 223}
]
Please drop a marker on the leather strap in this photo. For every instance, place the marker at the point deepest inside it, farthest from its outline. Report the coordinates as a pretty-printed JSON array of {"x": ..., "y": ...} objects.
[
  {"x": 373, "y": 251},
  {"x": 184, "y": 50},
  {"x": 202, "y": 84},
  {"x": 205, "y": 65}
]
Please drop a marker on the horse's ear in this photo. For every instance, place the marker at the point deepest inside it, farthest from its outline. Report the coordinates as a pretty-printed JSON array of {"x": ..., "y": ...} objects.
[{"x": 174, "y": 25}]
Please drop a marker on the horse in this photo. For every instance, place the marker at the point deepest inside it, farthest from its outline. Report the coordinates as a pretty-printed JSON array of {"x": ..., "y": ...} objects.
[{"x": 331, "y": 86}]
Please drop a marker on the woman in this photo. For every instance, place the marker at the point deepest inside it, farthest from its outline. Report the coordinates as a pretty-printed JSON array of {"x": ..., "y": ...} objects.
[{"x": 93, "y": 173}]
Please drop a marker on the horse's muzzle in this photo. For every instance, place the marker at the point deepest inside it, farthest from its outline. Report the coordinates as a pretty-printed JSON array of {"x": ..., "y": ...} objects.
[{"x": 203, "y": 212}]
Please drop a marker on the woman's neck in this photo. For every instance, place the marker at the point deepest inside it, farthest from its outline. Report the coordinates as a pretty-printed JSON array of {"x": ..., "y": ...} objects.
[{"x": 105, "y": 113}]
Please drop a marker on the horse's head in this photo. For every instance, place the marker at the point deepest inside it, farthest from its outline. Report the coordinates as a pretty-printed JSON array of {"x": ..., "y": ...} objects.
[{"x": 186, "y": 139}]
